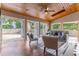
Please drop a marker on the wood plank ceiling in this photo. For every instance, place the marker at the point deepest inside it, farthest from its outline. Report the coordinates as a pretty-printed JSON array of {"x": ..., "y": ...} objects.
[{"x": 43, "y": 11}]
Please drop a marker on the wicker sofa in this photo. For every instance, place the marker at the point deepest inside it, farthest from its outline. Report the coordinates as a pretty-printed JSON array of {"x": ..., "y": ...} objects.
[{"x": 61, "y": 34}]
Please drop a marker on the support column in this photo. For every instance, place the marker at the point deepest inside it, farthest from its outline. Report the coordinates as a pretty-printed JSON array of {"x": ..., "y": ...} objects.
[
  {"x": 0, "y": 35},
  {"x": 49, "y": 25},
  {"x": 36, "y": 30},
  {"x": 39, "y": 29},
  {"x": 78, "y": 31},
  {"x": 24, "y": 29},
  {"x": 61, "y": 26}
]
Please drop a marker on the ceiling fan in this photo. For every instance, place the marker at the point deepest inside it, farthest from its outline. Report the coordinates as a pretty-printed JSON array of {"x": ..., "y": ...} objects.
[
  {"x": 45, "y": 7},
  {"x": 48, "y": 10}
]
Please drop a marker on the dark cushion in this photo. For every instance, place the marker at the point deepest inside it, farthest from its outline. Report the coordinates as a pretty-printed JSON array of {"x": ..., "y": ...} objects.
[{"x": 60, "y": 34}]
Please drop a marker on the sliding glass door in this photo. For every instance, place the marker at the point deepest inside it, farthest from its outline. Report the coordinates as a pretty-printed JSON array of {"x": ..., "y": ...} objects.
[
  {"x": 11, "y": 27},
  {"x": 43, "y": 28},
  {"x": 37, "y": 28},
  {"x": 33, "y": 27}
]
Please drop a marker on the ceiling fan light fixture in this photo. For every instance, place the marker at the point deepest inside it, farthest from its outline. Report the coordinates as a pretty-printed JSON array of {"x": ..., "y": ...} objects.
[{"x": 46, "y": 13}]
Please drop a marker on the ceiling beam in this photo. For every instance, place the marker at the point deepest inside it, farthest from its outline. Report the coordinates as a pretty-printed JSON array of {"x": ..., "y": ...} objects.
[
  {"x": 77, "y": 7},
  {"x": 0, "y": 8}
]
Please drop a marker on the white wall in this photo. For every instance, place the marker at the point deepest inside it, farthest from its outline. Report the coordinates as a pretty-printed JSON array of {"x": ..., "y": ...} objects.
[{"x": 69, "y": 18}]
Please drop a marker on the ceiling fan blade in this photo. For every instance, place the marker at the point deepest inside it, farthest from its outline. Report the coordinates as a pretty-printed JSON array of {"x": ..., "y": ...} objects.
[{"x": 49, "y": 10}]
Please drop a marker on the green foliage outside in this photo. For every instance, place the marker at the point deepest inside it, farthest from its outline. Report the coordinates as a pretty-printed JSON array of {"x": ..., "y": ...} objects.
[
  {"x": 18, "y": 24},
  {"x": 55, "y": 26},
  {"x": 42, "y": 27},
  {"x": 66, "y": 26},
  {"x": 70, "y": 26},
  {"x": 32, "y": 25},
  {"x": 7, "y": 24}
]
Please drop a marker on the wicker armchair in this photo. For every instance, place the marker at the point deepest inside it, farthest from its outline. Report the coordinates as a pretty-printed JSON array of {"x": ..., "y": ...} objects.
[{"x": 50, "y": 42}]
